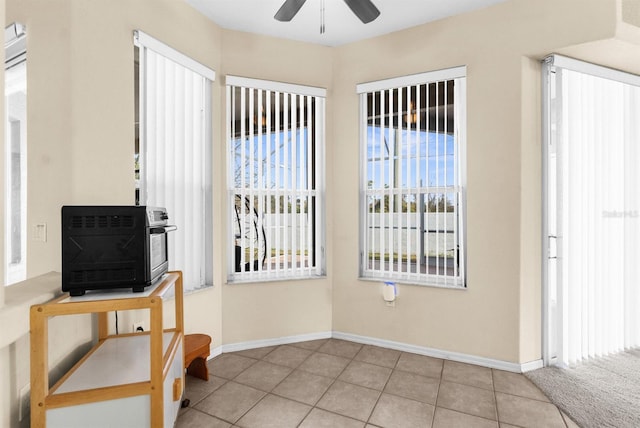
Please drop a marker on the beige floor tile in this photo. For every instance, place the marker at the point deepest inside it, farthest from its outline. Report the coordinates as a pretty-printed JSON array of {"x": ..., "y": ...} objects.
[
  {"x": 275, "y": 412},
  {"x": 378, "y": 356},
  {"x": 445, "y": 418},
  {"x": 398, "y": 412},
  {"x": 230, "y": 401},
  {"x": 413, "y": 386},
  {"x": 324, "y": 364},
  {"x": 526, "y": 412},
  {"x": 365, "y": 374},
  {"x": 319, "y": 418},
  {"x": 289, "y": 356},
  {"x": 516, "y": 384},
  {"x": 229, "y": 366},
  {"x": 257, "y": 353},
  {"x": 196, "y": 419},
  {"x": 304, "y": 387},
  {"x": 467, "y": 399},
  {"x": 420, "y": 364},
  {"x": 311, "y": 345},
  {"x": 349, "y": 400},
  {"x": 263, "y": 375},
  {"x": 277, "y": 386},
  {"x": 196, "y": 389},
  {"x": 467, "y": 374},
  {"x": 570, "y": 423},
  {"x": 341, "y": 348}
]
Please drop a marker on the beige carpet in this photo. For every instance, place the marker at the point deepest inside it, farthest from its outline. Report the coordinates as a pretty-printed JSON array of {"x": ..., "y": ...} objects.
[{"x": 603, "y": 392}]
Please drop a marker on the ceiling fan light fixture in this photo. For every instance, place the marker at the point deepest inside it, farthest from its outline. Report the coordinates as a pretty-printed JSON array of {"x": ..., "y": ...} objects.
[{"x": 365, "y": 10}]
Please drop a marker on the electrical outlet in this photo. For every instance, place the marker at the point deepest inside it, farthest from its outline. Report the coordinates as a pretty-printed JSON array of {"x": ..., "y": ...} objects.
[
  {"x": 24, "y": 404},
  {"x": 137, "y": 327}
]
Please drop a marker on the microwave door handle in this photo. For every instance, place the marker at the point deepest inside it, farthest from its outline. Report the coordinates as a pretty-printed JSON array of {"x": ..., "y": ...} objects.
[{"x": 163, "y": 229}]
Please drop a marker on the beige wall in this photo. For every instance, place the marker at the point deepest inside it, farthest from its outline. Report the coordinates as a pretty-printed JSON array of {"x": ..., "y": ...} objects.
[
  {"x": 630, "y": 12},
  {"x": 498, "y": 316},
  {"x": 81, "y": 134},
  {"x": 48, "y": 118},
  {"x": 279, "y": 309}
]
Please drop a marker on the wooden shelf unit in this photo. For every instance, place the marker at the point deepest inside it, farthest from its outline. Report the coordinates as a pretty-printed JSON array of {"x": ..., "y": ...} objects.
[{"x": 114, "y": 369}]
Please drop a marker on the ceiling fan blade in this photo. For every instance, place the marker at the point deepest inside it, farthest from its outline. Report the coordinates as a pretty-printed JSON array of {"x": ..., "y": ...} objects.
[
  {"x": 288, "y": 10},
  {"x": 364, "y": 9}
]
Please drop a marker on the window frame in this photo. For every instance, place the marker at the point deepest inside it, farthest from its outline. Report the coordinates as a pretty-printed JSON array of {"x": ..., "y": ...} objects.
[
  {"x": 367, "y": 273},
  {"x": 16, "y": 59},
  {"x": 315, "y": 189}
]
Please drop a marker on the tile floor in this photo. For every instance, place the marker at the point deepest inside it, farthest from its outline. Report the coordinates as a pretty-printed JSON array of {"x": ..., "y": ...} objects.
[{"x": 336, "y": 383}]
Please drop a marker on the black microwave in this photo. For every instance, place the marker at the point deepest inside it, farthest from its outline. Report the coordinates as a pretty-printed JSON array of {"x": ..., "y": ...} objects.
[{"x": 106, "y": 247}]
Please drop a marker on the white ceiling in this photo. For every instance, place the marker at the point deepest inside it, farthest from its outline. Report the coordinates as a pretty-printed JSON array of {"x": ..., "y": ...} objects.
[{"x": 342, "y": 26}]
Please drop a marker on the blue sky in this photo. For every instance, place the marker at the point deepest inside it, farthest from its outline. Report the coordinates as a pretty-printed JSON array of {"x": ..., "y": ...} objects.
[
  {"x": 430, "y": 154},
  {"x": 425, "y": 159}
]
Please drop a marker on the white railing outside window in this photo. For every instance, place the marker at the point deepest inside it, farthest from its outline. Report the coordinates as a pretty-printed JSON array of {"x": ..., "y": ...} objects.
[
  {"x": 275, "y": 138},
  {"x": 174, "y": 153},
  {"x": 412, "y": 188}
]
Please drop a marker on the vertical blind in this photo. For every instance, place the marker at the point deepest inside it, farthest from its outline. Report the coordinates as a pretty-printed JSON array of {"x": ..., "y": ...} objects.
[
  {"x": 275, "y": 145},
  {"x": 595, "y": 212},
  {"x": 175, "y": 134},
  {"x": 412, "y": 178}
]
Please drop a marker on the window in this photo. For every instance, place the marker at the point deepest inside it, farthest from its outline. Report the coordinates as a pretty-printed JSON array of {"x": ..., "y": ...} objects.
[
  {"x": 15, "y": 149},
  {"x": 275, "y": 141},
  {"x": 173, "y": 152},
  {"x": 412, "y": 179}
]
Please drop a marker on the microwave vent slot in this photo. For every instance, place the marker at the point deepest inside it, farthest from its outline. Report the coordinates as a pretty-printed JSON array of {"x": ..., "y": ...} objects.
[
  {"x": 122, "y": 221},
  {"x": 76, "y": 222},
  {"x": 77, "y": 277},
  {"x": 95, "y": 276},
  {"x": 102, "y": 221}
]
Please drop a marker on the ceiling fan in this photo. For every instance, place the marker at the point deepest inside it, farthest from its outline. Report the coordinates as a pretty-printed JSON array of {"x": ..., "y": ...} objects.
[{"x": 365, "y": 10}]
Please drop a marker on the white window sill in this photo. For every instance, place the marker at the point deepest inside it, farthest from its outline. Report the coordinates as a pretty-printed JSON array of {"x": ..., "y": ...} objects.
[
  {"x": 434, "y": 283},
  {"x": 256, "y": 280},
  {"x": 18, "y": 299}
]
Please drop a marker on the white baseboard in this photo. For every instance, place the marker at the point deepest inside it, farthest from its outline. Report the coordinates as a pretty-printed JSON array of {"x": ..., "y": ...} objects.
[
  {"x": 431, "y": 352},
  {"x": 405, "y": 347},
  {"x": 241, "y": 346},
  {"x": 214, "y": 352},
  {"x": 532, "y": 365}
]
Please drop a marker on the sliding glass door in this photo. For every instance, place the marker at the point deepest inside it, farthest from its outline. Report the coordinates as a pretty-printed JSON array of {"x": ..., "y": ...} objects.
[{"x": 592, "y": 211}]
